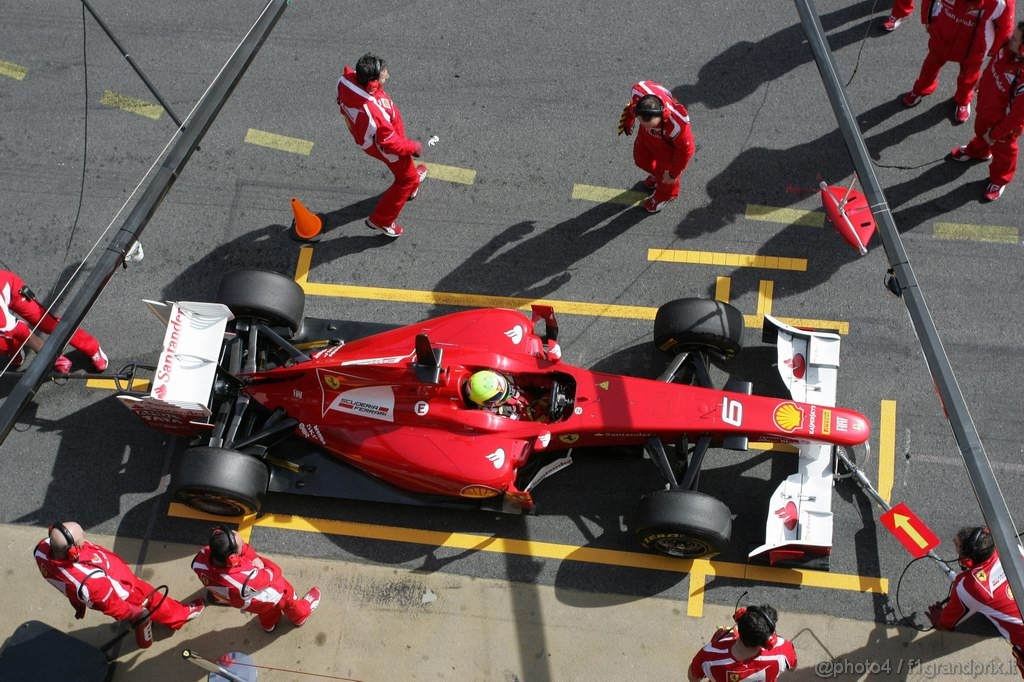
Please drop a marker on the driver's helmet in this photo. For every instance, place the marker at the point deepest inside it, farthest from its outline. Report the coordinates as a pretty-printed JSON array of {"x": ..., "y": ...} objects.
[{"x": 488, "y": 389}]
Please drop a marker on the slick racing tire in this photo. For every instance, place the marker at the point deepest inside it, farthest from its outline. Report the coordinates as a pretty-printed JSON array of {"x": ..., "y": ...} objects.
[
  {"x": 683, "y": 523},
  {"x": 220, "y": 482},
  {"x": 698, "y": 324},
  {"x": 263, "y": 295}
]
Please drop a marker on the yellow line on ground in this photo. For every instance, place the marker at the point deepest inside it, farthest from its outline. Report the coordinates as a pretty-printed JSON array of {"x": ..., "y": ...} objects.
[
  {"x": 293, "y": 145},
  {"x": 887, "y": 449},
  {"x": 695, "y": 594},
  {"x": 439, "y": 171},
  {"x": 978, "y": 233},
  {"x": 245, "y": 526},
  {"x": 734, "y": 260},
  {"x": 788, "y": 216},
  {"x": 110, "y": 384},
  {"x": 131, "y": 105},
  {"x": 765, "y": 291},
  {"x": 722, "y": 288},
  {"x": 12, "y": 70},
  {"x": 550, "y": 550},
  {"x": 773, "y": 447},
  {"x": 607, "y": 195}
]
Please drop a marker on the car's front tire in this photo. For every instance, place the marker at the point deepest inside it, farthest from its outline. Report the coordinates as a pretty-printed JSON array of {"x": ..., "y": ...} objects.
[
  {"x": 698, "y": 324},
  {"x": 683, "y": 523}
]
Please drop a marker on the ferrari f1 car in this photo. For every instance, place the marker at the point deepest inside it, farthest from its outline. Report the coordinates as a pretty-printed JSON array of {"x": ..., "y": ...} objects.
[{"x": 282, "y": 403}]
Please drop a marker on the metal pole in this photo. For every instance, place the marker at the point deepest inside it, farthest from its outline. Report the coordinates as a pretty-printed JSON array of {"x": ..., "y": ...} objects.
[
  {"x": 210, "y": 666},
  {"x": 164, "y": 177},
  {"x": 979, "y": 469},
  {"x": 131, "y": 62}
]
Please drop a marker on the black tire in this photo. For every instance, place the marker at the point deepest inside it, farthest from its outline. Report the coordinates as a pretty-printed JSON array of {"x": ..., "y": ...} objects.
[
  {"x": 263, "y": 295},
  {"x": 683, "y": 523},
  {"x": 698, "y": 324},
  {"x": 220, "y": 481}
]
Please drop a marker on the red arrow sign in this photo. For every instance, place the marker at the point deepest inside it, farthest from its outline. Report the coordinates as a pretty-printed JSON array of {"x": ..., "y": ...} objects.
[{"x": 910, "y": 530}]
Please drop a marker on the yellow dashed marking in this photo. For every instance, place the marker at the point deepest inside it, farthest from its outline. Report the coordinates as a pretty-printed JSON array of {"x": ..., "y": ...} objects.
[
  {"x": 773, "y": 447},
  {"x": 110, "y": 384},
  {"x": 12, "y": 70},
  {"x": 439, "y": 171},
  {"x": 131, "y": 105},
  {"x": 722, "y": 288},
  {"x": 733, "y": 260},
  {"x": 551, "y": 550},
  {"x": 764, "y": 297},
  {"x": 281, "y": 143},
  {"x": 977, "y": 233},
  {"x": 695, "y": 595},
  {"x": 887, "y": 449},
  {"x": 787, "y": 216},
  {"x": 607, "y": 195}
]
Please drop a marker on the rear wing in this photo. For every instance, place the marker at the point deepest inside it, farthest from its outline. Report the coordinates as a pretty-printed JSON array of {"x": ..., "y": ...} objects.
[
  {"x": 799, "y": 525},
  {"x": 178, "y": 402}
]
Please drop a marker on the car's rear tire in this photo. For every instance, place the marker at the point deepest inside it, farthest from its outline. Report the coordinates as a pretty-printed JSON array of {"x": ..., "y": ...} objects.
[
  {"x": 263, "y": 295},
  {"x": 683, "y": 523},
  {"x": 698, "y": 324},
  {"x": 220, "y": 481}
]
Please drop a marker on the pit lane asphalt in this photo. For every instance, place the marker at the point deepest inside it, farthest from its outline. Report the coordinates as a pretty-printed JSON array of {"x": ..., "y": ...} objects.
[{"x": 528, "y": 98}]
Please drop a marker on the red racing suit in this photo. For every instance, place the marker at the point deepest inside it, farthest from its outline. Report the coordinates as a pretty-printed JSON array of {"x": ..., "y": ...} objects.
[
  {"x": 246, "y": 586},
  {"x": 716, "y": 662},
  {"x": 101, "y": 580},
  {"x": 669, "y": 147},
  {"x": 1000, "y": 114},
  {"x": 14, "y": 332},
  {"x": 902, "y": 8},
  {"x": 376, "y": 125},
  {"x": 965, "y": 32},
  {"x": 984, "y": 589}
]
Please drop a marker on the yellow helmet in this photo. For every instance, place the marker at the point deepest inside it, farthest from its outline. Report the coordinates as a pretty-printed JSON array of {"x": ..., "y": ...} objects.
[{"x": 488, "y": 389}]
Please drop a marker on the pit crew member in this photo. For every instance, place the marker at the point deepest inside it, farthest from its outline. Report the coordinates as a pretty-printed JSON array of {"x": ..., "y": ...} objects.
[
  {"x": 18, "y": 301},
  {"x": 1000, "y": 116},
  {"x": 235, "y": 574},
  {"x": 664, "y": 144},
  {"x": 749, "y": 650},
  {"x": 376, "y": 125},
  {"x": 981, "y": 587},
  {"x": 93, "y": 577}
]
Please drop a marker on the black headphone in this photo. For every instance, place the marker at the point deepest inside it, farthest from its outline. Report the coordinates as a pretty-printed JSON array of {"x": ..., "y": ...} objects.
[
  {"x": 649, "y": 109},
  {"x": 969, "y": 547},
  {"x": 231, "y": 558},
  {"x": 72, "y": 551},
  {"x": 374, "y": 72},
  {"x": 739, "y": 613}
]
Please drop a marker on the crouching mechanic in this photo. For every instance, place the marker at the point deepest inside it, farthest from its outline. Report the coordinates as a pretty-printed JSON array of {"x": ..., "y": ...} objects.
[
  {"x": 749, "y": 650},
  {"x": 981, "y": 587},
  {"x": 17, "y": 300},
  {"x": 664, "y": 145},
  {"x": 92, "y": 577},
  {"x": 235, "y": 574}
]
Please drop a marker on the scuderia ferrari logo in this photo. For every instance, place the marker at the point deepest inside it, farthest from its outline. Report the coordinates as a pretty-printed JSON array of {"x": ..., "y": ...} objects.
[
  {"x": 332, "y": 382},
  {"x": 569, "y": 438}
]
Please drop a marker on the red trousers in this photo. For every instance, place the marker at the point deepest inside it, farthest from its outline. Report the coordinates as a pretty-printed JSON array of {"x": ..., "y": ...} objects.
[
  {"x": 968, "y": 77},
  {"x": 385, "y": 213},
  {"x": 33, "y": 313},
  {"x": 655, "y": 157},
  {"x": 1004, "y": 152},
  {"x": 902, "y": 8},
  {"x": 270, "y": 614},
  {"x": 169, "y": 611}
]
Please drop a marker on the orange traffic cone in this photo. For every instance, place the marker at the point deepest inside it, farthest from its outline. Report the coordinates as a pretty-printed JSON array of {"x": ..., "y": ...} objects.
[{"x": 307, "y": 224}]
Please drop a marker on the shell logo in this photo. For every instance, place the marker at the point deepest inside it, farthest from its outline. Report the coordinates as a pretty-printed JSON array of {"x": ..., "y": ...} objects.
[{"x": 788, "y": 417}]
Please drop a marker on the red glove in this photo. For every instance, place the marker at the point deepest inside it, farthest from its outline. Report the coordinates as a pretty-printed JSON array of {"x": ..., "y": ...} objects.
[
  {"x": 418, "y": 152},
  {"x": 627, "y": 119},
  {"x": 80, "y": 611},
  {"x": 935, "y": 615}
]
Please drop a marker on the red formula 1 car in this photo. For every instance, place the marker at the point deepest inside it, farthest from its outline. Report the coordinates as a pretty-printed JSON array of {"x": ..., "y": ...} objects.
[{"x": 387, "y": 416}]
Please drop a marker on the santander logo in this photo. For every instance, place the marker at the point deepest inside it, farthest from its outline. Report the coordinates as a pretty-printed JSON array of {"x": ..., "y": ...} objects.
[
  {"x": 789, "y": 515},
  {"x": 798, "y": 364}
]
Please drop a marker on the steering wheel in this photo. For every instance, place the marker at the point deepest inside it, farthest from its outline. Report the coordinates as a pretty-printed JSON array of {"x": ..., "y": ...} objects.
[{"x": 558, "y": 402}]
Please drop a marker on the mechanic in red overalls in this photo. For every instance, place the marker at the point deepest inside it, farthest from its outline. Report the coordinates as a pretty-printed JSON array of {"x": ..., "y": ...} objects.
[
  {"x": 15, "y": 335},
  {"x": 92, "y": 577},
  {"x": 235, "y": 574},
  {"x": 981, "y": 587},
  {"x": 376, "y": 125},
  {"x": 750, "y": 650},
  {"x": 664, "y": 144},
  {"x": 961, "y": 31},
  {"x": 1000, "y": 117}
]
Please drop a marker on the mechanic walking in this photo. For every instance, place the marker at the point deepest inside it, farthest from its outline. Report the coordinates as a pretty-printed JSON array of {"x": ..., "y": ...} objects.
[
  {"x": 664, "y": 143},
  {"x": 961, "y": 31},
  {"x": 749, "y": 650},
  {"x": 93, "y": 577},
  {"x": 15, "y": 335},
  {"x": 901, "y": 9},
  {"x": 235, "y": 574},
  {"x": 981, "y": 587},
  {"x": 377, "y": 127},
  {"x": 1000, "y": 116}
]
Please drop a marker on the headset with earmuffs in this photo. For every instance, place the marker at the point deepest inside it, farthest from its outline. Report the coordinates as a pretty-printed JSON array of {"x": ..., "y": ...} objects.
[
  {"x": 73, "y": 551},
  {"x": 969, "y": 547},
  {"x": 739, "y": 613},
  {"x": 232, "y": 558},
  {"x": 373, "y": 78}
]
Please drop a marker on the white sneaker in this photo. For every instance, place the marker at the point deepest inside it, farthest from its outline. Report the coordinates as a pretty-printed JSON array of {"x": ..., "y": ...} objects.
[
  {"x": 99, "y": 360},
  {"x": 313, "y": 597},
  {"x": 421, "y": 170},
  {"x": 394, "y": 230}
]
